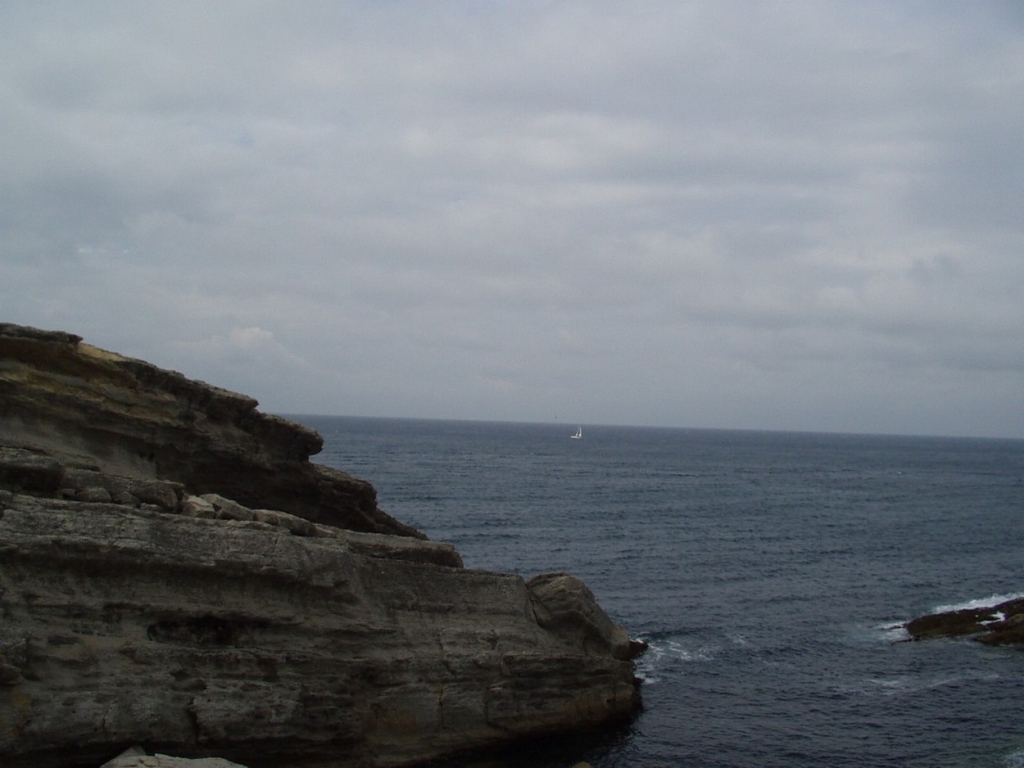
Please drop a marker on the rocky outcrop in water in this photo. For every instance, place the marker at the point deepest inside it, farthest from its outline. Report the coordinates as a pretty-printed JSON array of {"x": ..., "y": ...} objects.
[
  {"x": 1001, "y": 624},
  {"x": 175, "y": 573}
]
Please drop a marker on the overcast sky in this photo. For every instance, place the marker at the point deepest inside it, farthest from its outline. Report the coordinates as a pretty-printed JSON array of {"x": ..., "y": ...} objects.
[{"x": 790, "y": 215}]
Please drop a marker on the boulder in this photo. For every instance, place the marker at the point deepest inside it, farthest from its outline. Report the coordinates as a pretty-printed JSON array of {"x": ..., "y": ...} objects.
[
  {"x": 564, "y": 604},
  {"x": 29, "y": 470}
]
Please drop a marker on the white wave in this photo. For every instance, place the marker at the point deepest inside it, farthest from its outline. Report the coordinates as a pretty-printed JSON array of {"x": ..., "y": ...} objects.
[
  {"x": 1015, "y": 759},
  {"x": 894, "y": 633},
  {"x": 875, "y": 687},
  {"x": 888, "y": 632},
  {"x": 903, "y": 685},
  {"x": 982, "y": 602},
  {"x": 887, "y": 687},
  {"x": 646, "y": 675},
  {"x": 672, "y": 650},
  {"x": 664, "y": 653}
]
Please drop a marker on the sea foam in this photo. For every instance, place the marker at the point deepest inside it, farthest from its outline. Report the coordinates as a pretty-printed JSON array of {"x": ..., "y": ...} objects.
[{"x": 983, "y": 602}]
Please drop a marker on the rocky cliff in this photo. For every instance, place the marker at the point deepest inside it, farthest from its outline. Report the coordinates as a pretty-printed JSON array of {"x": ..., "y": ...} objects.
[
  {"x": 98, "y": 410},
  {"x": 175, "y": 573}
]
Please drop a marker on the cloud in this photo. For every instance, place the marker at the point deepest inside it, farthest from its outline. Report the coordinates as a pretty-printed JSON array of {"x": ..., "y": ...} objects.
[{"x": 706, "y": 214}]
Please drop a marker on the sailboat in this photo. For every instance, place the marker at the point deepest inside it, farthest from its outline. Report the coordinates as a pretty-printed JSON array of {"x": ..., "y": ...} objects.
[{"x": 578, "y": 435}]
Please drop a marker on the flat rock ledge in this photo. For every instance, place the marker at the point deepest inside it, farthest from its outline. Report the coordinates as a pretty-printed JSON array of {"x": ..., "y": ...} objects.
[
  {"x": 1000, "y": 624},
  {"x": 175, "y": 574}
]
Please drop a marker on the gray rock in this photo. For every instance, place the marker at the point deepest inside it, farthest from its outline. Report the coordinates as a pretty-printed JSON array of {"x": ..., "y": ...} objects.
[
  {"x": 93, "y": 494},
  {"x": 97, "y": 486},
  {"x": 136, "y": 757},
  {"x": 564, "y": 604},
  {"x": 163, "y": 494},
  {"x": 29, "y": 470},
  {"x": 87, "y": 407},
  {"x": 999, "y": 624},
  {"x": 174, "y": 572},
  {"x": 197, "y": 506},
  {"x": 9, "y": 675},
  {"x": 282, "y": 649}
]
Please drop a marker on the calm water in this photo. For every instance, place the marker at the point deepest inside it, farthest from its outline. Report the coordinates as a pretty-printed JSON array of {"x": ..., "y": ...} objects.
[{"x": 768, "y": 571}]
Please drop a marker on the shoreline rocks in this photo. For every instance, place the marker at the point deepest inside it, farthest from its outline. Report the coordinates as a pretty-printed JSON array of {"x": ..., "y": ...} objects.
[
  {"x": 1000, "y": 624},
  {"x": 175, "y": 573}
]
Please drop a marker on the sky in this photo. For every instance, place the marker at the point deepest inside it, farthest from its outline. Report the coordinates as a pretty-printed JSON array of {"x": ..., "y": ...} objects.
[{"x": 743, "y": 215}]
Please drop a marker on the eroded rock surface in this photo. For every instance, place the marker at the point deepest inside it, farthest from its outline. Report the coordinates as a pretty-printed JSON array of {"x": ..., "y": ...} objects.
[
  {"x": 151, "y": 593},
  {"x": 96, "y": 410}
]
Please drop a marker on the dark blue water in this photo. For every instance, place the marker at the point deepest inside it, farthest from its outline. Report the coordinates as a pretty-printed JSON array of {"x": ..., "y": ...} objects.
[{"x": 768, "y": 571}]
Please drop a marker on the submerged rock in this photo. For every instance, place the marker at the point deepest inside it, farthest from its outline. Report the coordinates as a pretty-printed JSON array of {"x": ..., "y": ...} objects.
[
  {"x": 175, "y": 573},
  {"x": 1001, "y": 624}
]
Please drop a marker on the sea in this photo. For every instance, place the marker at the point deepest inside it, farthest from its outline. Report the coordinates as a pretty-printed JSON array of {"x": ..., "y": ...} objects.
[{"x": 769, "y": 572}]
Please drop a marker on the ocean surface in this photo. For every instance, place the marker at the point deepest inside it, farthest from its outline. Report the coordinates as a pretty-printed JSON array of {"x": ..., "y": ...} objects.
[{"x": 770, "y": 573}]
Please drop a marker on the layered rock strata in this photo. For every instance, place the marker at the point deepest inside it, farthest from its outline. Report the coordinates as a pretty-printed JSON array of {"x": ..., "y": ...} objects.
[
  {"x": 151, "y": 594},
  {"x": 102, "y": 411}
]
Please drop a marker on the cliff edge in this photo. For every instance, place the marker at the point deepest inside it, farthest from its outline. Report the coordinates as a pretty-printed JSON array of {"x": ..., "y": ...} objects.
[
  {"x": 98, "y": 410},
  {"x": 175, "y": 573}
]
